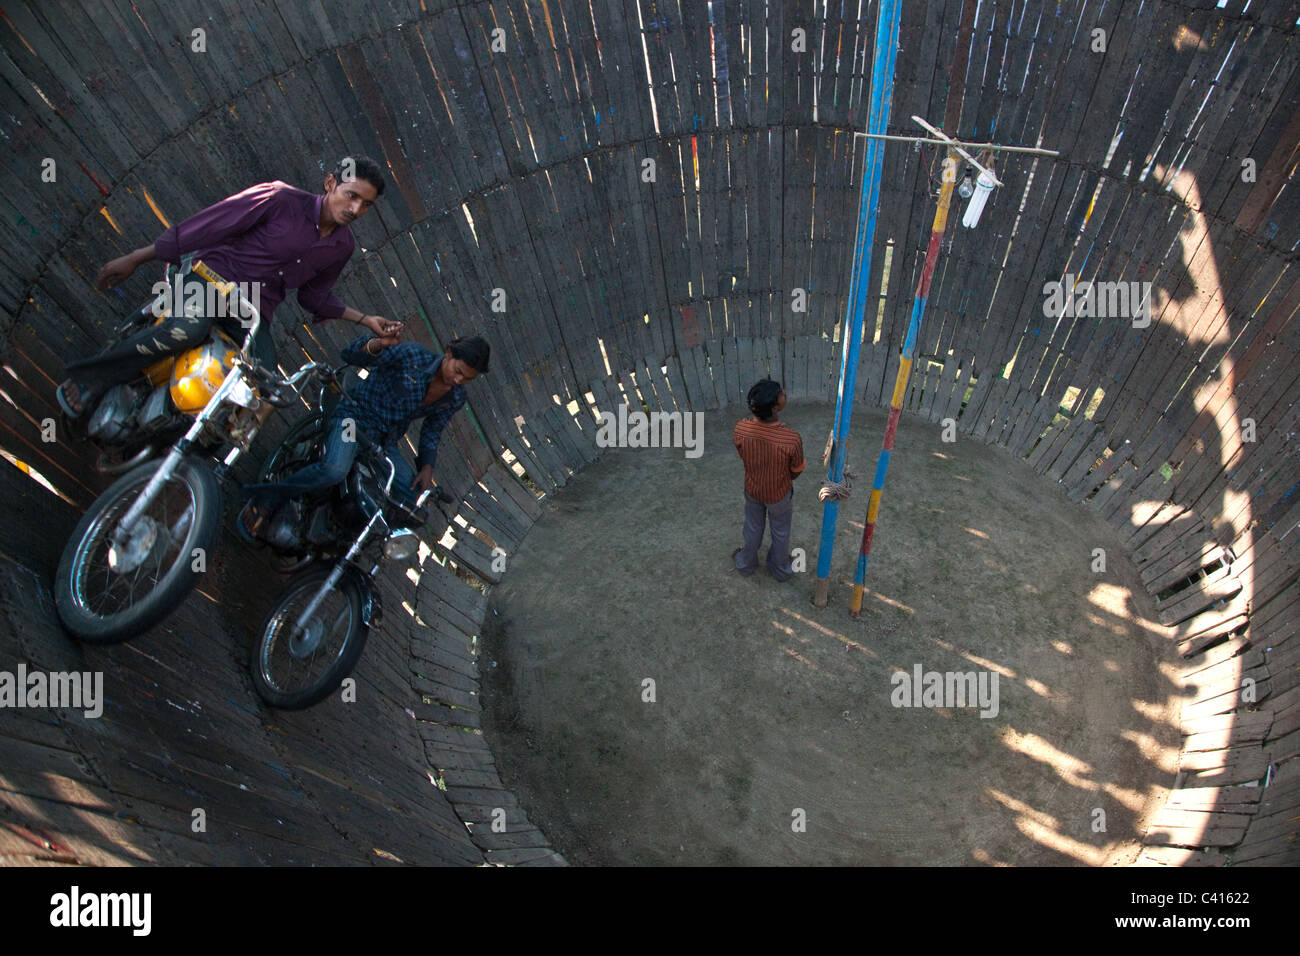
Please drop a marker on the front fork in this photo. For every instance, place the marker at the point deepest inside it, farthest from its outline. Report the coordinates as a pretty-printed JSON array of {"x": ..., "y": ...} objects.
[
  {"x": 339, "y": 569},
  {"x": 174, "y": 455}
]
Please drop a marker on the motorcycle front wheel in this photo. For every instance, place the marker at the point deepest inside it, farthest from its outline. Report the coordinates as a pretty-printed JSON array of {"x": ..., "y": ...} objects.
[
  {"x": 107, "y": 591},
  {"x": 294, "y": 667}
]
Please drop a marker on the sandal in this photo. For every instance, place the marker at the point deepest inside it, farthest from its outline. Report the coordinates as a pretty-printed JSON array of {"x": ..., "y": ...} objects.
[
  {"x": 250, "y": 523},
  {"x": 74, "y": 406}
]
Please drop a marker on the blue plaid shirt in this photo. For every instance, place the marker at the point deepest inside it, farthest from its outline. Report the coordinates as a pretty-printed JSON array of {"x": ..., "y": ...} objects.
[{"x": 392, "y": 396}]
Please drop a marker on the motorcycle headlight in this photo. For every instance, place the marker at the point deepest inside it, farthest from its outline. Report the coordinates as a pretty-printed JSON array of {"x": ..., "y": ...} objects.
[{"x": 402, "y": 544}]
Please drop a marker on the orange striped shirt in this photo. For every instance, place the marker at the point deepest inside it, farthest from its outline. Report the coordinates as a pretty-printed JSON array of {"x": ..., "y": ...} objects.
[{"x": 773, "y": 455}]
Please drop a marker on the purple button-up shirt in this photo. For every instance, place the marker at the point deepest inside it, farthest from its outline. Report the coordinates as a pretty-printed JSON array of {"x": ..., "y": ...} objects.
[{"x": 270, "y": 234}]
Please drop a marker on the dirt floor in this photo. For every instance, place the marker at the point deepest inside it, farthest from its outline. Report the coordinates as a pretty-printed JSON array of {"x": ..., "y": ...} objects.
[{"x": 773, "y": 735}]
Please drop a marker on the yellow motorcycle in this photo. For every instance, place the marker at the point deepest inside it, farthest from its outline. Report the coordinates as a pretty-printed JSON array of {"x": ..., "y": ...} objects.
[{"x": 142, "y": 546}]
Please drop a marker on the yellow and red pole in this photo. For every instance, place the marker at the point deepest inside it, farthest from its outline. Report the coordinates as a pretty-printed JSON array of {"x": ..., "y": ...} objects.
[{"x": 904, "y": 373}]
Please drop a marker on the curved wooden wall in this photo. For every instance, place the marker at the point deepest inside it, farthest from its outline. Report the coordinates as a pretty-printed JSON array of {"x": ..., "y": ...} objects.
[{"x": 629, "y": 199}]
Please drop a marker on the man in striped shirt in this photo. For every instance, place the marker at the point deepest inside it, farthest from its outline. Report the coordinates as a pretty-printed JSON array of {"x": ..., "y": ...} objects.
[{"x": 773, "y": 457}]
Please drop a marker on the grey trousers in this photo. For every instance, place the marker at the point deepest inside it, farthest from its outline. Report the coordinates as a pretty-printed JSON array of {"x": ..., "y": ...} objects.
[{"x": 778, "y": 556}]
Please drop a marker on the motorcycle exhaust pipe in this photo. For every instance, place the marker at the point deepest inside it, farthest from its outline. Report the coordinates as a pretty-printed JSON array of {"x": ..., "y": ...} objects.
[{"x": 105, "y": 468}]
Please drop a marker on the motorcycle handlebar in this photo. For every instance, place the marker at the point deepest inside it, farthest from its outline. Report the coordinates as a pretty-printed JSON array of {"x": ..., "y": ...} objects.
[
  {"x": 321, "y": 368},
  {"x": 419, "y": 510},
  {"x": 275, "y": 382}
]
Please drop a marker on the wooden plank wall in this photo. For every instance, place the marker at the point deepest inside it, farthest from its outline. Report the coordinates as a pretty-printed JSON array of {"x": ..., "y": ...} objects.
[
  {"x": 665, "y": 195},
  {"x": 400, "y": 775}
]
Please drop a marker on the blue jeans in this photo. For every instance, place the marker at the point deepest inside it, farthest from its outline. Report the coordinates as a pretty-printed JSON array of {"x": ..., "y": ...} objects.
[{"x": 334, "y": 465}]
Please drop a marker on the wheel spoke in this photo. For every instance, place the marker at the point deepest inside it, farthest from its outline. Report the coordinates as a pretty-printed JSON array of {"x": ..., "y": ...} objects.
[
  {"x": 279, "y": 667},
  {"x": 104, "y": 592}
]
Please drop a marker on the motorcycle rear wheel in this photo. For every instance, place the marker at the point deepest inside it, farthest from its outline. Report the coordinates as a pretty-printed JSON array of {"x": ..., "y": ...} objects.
[
  {"x": 99, "y": 603},
  {"x": 299, "y": 447},
  {"x": 292, "y": 670}
]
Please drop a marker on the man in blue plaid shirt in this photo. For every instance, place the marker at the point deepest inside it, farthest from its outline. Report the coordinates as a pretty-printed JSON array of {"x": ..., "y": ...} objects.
[{"x": 406, "y": 382}]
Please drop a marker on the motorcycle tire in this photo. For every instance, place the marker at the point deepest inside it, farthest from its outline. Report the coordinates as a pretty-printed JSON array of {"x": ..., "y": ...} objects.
[
  {"x": 85, "y": 608},
  {"x": 289, "y": 455},
  {"x": 337, "y": 624}
]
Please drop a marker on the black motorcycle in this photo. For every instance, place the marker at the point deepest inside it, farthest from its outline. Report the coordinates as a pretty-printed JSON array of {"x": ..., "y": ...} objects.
[{"x": 336, "y": 541}]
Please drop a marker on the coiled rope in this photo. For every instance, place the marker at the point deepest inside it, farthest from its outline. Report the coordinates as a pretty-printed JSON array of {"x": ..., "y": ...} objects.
[{"x": 835, "y": 490}]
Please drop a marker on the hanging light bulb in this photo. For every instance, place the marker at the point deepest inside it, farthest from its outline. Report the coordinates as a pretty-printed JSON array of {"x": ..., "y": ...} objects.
[
  {"x": 967, "y": 186},
  {"x": 981, "y": 192}
]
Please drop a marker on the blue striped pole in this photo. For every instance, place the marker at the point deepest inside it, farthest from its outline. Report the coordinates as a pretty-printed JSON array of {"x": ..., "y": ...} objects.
[{"x": 882, "y": 92}]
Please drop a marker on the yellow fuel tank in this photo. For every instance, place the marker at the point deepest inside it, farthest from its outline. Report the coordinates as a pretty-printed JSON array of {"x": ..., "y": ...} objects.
[
  {"x": 160, "y": 372},
  {"x": 198, "y": 373}
]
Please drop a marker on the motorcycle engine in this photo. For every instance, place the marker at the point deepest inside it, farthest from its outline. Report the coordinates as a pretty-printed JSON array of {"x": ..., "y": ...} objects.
[
  {"x": 292, "y": 530},
  {"x": 157, "y": 409},
  {"x": 112, "y": 418},
  {"x": 285, "y": 531},
  {"x": 320, "y": 529}
]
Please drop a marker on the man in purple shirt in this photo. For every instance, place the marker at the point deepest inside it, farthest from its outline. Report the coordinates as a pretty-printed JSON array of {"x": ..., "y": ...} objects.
[{"x": 271, "y": 235}]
